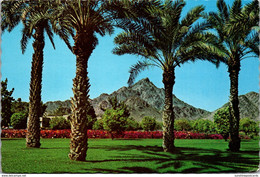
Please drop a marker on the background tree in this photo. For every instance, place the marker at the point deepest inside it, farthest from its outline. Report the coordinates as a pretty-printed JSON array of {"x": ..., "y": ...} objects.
[
  {"x": 98, "y": 125},
  {"x": 35, "y": 16},
  {"x": 203, "y": 126},
  {"x": 20, "y": 106},
  {"x": 19, "y": 120},
  {"x": 91, "y": 116},
  {"x": 132, "y": 124},
  {"x": 182, "y": 125},
  {"x": 248, "y": 126},
  {"x": 148, "y": 123},
  {"x": 6, "y": 103},
  {"x": 114, "y": 121},
  {"x": 59, "y": 123},
  {"x": 221, "y": 120},
  {"x": 237, "y": 30},
  {"x": 166, "y": 39}
]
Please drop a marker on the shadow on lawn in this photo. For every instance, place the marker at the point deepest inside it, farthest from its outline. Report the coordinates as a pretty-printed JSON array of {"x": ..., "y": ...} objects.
[{"x": 212, "y": 160}]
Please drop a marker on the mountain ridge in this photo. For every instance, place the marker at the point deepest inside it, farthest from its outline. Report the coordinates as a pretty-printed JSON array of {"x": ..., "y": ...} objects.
[{"x": 145, "y": 99}]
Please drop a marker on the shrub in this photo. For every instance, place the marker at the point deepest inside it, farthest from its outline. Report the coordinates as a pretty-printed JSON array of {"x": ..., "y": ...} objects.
[
  {"x": 59, "y": 123},
  {"x": 248, "y": 126},
  {"x": 182, "y": 125},
  {"x": 208, "y": 126},
  {"x": 114, "y": 120},
  {"x": 91, "y": 116},
  {"x": 132, "y": 124},
  {"x": 148, "y": 123},
  {"x": 158, "y": 125},
  {"x": 221, "y": 120},
  {"x": 203, "y": 126},
  {"x": 11, "y": 133},
  {"x": 19, "y": 120},
  {"x": 98, "y": 125}
]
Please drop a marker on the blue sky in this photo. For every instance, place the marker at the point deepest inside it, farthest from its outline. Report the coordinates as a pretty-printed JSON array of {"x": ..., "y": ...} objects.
[{"x": 200, "y": 84}]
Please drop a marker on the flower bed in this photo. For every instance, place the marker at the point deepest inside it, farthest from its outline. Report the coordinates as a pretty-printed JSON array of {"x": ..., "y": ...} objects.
[{"x": 11, "y": 133}]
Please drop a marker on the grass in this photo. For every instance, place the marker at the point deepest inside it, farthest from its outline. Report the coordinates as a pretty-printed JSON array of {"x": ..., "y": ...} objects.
[{"x": 130, "y": 156}]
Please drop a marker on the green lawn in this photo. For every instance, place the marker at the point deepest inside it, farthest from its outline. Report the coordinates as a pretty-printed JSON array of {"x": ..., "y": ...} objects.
[{"x": 130, "y": 156}]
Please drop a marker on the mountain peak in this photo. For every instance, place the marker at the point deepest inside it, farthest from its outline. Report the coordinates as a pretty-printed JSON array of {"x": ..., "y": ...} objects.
[
  {"x": 146, "y": 79},
  {"x": 143, "y": 83}
]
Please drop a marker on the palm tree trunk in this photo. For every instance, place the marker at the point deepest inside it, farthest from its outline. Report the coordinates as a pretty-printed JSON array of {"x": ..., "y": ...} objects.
[
  {"x": 168, "y": 115},
  {"x": 234, "y": 143},
  {"x": 83, "y": 48},
  {"x": 33, "y": 124}
]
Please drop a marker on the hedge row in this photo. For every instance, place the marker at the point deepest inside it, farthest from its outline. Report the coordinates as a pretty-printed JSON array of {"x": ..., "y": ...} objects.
[{"x": 104, "y": 134}]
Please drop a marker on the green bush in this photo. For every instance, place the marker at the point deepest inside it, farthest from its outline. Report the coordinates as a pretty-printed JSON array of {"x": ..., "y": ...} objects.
[
  {"x": 148, "y": 123},
  {"x": 19, "y": 120},
  {"x": 114, "y": 120},
  {"x": 221, "y": 121},
  {"x": 248, "y": 126},
  {"x": 91, "y": 116},
  {"x": 203, "y": 126},
  {"x": 59, "y": 123},
  {"x": 158, "y": 126},
  {"x": 132, "y": 124},
  {"x": 182, "y": 124},
  {"x": 98, "y": 125}
]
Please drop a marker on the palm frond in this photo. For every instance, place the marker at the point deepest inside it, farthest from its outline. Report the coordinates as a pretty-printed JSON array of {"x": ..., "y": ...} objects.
[
  {"x": 223, "y": 10},
  {"x": 245, "y": 21},
  {"x": 26, "y": 35},
  {"x": 136, "y": 69},
  {"x": 192, "y": 16},
  {"x": 49, "y": 33},
  {"x": 203, "y": 51},
  {"x": 11, "y": 13},
  {"x": 191, "y": 35},
  {"x": 252, "y": 43},
  {"x": 236, "y": 8}
]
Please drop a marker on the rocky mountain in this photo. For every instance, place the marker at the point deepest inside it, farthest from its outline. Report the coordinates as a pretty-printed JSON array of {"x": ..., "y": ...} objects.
[
  {"x": 53, "y": 105},
  {"x": 142, "y": 99},
  {"x": 248, "y": 106},
  {"x": 145, "y": 99}
]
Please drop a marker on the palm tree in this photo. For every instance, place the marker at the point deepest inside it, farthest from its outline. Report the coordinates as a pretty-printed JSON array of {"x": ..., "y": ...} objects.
[
  {"x": 86, "y": 19},
  {"x": 35, "y": 16},
  {"x": 237, "y": 30},
  {"x": 166, "y": 41}
]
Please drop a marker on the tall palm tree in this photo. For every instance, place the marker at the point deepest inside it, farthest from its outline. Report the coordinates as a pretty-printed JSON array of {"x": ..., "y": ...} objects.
[
  {"x": 237, "y": 30},
  {"x": 166, "y": 40},
  {"x": 35, "y": 16},
  {"x": 86, "y": 19}
]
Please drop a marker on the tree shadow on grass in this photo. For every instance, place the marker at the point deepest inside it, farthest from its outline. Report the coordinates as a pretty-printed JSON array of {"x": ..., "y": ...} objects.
[
  {"x": 128, "y": 148},
  {"x": 55, "y": 148},
  {"x": 11, "y": 139},
  {"x": 125, "y": 170},
  {"x": 202, "y": 160}
]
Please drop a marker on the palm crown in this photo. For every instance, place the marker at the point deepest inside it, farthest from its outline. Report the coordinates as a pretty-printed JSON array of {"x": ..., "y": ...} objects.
[
  {"x": 166, "y": 40},
  {"x": 237, "y": 29},
  {"x": 32, "y": 14}
]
